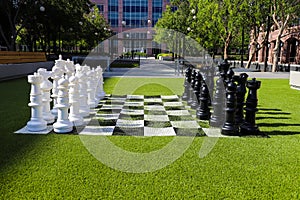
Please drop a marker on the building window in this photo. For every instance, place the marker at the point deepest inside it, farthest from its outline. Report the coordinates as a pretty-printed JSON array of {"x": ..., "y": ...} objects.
[
  {"x": 113, "y": 13},
  {"x": 156, "y": 11},
  {"x": 100, "y": 8},
  {"x": 135, "y": 13}
]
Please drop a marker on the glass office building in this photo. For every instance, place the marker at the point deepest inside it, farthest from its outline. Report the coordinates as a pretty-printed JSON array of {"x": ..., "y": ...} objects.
[{"x": 123, "y": 15}]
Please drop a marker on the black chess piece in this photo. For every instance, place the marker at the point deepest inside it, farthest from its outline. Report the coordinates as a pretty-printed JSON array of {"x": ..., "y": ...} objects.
[
  {"x": 229, "y": 127},
  {"x": 217, "y": 118},
  {"x": 223, "y": 69},
  {"x": 209, "y": 72},
  {"x": 187, "y": 82},
  {"x": 191, "y": 88},
  {"x": 240, "y": 97},
  {"x": 249, "y": 127},
  {"x": 203, "y": 111},
  {"x": 197, "y": 88},
  {"x": 229, "y": 76}
]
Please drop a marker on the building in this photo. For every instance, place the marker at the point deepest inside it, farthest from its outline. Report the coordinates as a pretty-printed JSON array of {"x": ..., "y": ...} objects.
[
  {"x": 289, "y": 51},
  {"x": 123, "y": 15}
]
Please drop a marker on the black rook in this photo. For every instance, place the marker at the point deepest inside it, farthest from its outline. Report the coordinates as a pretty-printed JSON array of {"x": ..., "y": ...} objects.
[{"x": 249, "y": 127}]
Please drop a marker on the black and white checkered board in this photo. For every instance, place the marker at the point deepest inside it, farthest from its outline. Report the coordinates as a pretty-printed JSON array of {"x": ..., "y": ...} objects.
[{"x": 139, "y": 115}]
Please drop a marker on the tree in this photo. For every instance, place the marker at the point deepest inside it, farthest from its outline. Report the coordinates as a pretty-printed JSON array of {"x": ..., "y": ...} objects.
[
  {"x": 210, "y": 22},
  {"x": 95, "y": 27},
  {"x": 256, "y": 18},
  {"x": 48, "y": 22},
  {"x": 11, "y": 16},
  {"x": 284, "y": 11}
]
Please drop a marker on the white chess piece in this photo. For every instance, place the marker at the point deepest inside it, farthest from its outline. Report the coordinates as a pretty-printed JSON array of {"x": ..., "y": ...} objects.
[
  {"x": 46, "y": 86},
  {"x": 100, "y": 91},
  {"x": 69, "y": 67},
  {"x": 36, "y": 123},
  {"x": 55, "y": 75},
  {"x": 60, "y": 63},
  {"x": 74, "y": 115},
  {"x": 84, "y": 108},
  {"x": 63, "y": 124},
  {"x": 91, "y": 88}
]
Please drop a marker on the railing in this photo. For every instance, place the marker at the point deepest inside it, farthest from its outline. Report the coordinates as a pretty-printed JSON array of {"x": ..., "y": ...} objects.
[{"x": 10, "y": 57}]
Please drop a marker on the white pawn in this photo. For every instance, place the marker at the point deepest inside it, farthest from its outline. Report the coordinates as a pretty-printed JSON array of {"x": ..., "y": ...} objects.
[
  {"x": 63, "y": 124},
  {"x": 83, "y": 99},
  {"x": 60, "y": 63},
  {"x": 74, "y": 115},
  {"x": 36, "y": 123},
  {"x": 46, "y": 86},
  {"x": 91, "y": 88},
  {"x": 100, "y": 91},
  {"x": 55, "y": 75}
]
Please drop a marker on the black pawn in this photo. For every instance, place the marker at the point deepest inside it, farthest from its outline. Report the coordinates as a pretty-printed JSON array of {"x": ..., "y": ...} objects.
[
  {"x": 240, "y": 97},
  {"x": 191, "y": 88},
  {"x": 249, "y": 127},
  {"x": 187, "y": 82},
  {"x": 217, "y": 118},
  {"x": 203, "y": 111},
  {"x": 229, "y": 127},
  {"x": 197, "y": 87},
  {"x": 223, "y": 69},
  {"x": 210, "y": 83}
]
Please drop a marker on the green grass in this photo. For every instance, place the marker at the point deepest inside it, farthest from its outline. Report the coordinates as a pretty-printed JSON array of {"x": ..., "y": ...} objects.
[
  {"x": 124, "y": 65},
  {"x": 60, "y": 167}
]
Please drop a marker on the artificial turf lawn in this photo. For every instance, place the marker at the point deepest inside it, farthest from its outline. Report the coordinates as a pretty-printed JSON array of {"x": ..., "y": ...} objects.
[{"x": 60, "y": 167}]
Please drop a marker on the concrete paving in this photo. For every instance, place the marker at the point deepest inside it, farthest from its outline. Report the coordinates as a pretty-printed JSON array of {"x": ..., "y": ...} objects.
[
  {"x": 268, "y": 75},
  {"x": 148, "y": 68},
  {"x": 167, "y": 69}
]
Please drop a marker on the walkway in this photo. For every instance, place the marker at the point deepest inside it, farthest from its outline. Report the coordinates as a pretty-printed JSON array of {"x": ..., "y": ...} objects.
[
  {"x": 148, "y": 68},
  {"x": 158, "y": 68}
]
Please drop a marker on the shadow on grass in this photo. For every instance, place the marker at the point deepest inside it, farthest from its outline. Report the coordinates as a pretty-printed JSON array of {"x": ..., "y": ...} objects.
[
  {"x": 270, "y": 117},
  {"x": 14, "y": 114},
  {"x": 281, "y": 132},
  {"x": 273, "y": 113},
  {"x": 270, "y": 109},
  {"x": 276, "y": 119},
  {"x": 262, "y": 124}
]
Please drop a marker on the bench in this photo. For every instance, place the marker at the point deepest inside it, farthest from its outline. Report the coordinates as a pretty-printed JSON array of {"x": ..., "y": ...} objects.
[
  {"x": 13, "y": 57},
  {"x": 295, "y": 80}
]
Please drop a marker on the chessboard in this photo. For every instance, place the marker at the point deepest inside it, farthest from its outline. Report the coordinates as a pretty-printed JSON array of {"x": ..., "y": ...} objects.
[{"x": 139, "y": 115}]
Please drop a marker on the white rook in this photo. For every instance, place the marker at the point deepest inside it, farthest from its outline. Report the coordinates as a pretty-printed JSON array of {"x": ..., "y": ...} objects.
[
  {"x": 63, "y": 124},
  {"x": 36, "y": 123}
]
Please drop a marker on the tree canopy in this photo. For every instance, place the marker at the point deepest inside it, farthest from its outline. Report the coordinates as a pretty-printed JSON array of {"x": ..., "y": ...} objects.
[
  {"x": 219, "y": 24},
  {"x": 48, "y": 22}
]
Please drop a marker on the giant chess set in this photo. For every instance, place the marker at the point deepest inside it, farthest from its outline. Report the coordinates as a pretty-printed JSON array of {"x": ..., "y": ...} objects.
[
  {"x": 73, "y": 92},
  {"x": 70, "y": 99},
  {"x": 225, "y": 97}
]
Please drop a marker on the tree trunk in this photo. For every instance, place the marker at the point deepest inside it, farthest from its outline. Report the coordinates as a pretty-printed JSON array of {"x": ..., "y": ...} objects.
[
  {"x": 225, "y": 52},
  {"x": 252, "y": 53},
  {"x": 277, "y": 45},
  {"x": 227, "y": 42},
  {"x": 276, "y": 50}
]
